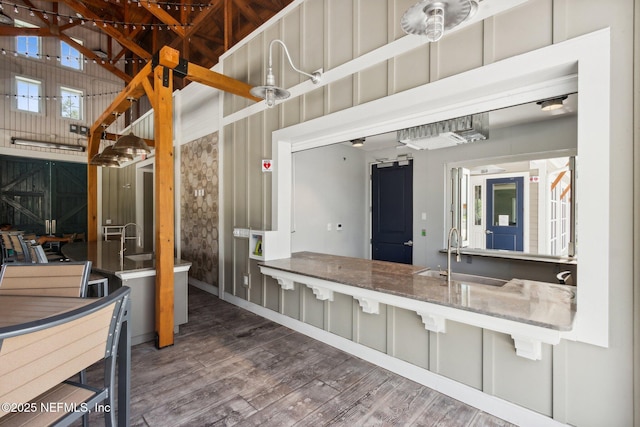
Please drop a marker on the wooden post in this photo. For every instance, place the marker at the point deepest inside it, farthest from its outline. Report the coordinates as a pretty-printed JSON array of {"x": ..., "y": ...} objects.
[
  {"x": 92, "y": 188},
  {"x": 164, "y": 193}
]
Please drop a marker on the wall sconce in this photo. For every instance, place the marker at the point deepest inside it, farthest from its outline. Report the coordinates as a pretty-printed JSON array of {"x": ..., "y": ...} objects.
[
  {"x": 270, "y": 92},
  {"x": 45, "y": 144},
  {"x": 432, "y": 18},
  {"x": 552, "y": 104}
]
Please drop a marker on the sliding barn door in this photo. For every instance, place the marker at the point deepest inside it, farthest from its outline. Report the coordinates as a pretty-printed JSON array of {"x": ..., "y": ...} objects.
[{"x": 42, "y": 196}]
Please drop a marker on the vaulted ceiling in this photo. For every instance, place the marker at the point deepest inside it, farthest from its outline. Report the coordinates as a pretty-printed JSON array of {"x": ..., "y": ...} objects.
[{"x": 201, "y": 30}]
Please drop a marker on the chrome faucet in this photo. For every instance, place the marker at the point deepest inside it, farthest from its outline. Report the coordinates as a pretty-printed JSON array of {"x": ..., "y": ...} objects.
[
  {"x": 453, "y": 229},
  {"x": 123, "y": 235}
]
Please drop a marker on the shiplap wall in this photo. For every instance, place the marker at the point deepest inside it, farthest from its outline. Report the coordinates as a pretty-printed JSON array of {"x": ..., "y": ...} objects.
[
  {"x": 49, "y": 125},
  {"x": 573, "y": 383}
]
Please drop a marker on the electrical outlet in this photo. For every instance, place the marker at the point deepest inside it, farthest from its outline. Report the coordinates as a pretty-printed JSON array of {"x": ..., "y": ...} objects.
[
  {"x": 246, "y": 280},
  {"x": 329, "y": 227}
]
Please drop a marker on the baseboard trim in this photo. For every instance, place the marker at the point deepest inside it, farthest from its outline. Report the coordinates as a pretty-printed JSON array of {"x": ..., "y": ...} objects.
[
  {"x": 490, "y": 404},
  {"x": 203, "y": 286}
]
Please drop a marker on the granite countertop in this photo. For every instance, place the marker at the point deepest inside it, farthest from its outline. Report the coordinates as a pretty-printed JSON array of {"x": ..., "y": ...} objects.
[
  {"x": 105, "y": 256},
  {"x": 537, "y": 303}
]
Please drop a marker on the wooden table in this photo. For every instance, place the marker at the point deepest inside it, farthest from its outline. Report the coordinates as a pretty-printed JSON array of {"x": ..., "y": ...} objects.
[{"x": 16, "y": 310}]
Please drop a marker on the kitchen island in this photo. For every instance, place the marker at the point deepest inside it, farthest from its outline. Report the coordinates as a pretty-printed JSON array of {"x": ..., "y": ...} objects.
[{"x": 135, "y": 269}]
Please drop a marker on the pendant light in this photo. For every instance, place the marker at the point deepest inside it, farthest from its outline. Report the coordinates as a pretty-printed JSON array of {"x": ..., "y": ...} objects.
[{"x": 130, "y": 143}]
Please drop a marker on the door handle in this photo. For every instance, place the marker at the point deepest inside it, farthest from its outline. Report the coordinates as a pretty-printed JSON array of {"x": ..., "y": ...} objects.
[
  {"x": 488, "y": 232},
  {"x": 408, "y": 243},
  {"x": 53, "y": 226},
  {"x": 46, "y": 226}
]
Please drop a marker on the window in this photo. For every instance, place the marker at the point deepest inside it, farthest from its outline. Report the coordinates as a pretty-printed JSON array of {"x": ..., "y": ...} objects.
[
  {"x": 71, "y": 103},
  {"x": 70, "y": 56},
  {"x": 27, "y": 45},
  {"x": 28, "y": 95}
]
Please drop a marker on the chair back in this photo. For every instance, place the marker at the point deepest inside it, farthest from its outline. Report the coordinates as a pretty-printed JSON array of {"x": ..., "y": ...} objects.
[
  {"x": 37, "y": 356},
  {"x": 64, "y": 279},
  {"x": 37, "y": 253},
  {"x": 19, "y": 247}
]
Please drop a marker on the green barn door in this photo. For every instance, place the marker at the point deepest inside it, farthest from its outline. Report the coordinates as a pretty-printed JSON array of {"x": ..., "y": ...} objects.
[{"x": 43, "y": 197}]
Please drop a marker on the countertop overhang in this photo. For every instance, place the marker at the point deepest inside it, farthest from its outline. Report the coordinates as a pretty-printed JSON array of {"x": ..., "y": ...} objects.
[
  {"x": 531, "y": 312},
  {"x": 105, "y": 258}
]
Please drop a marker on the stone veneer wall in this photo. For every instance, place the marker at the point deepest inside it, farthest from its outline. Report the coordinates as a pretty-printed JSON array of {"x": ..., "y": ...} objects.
[{"x": 199, "y": 207}]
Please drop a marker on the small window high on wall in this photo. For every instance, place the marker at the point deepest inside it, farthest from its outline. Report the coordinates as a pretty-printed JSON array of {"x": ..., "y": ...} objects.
[
  {"x": 27, "y": 45},
  {"x": 28, "y": 95},
  {"x": 71, "y": 103},
  {"x": 70, "y": 57}
]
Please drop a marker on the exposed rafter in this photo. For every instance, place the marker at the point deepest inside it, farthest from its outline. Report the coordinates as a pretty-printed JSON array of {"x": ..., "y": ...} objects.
[{"x": 201, "y": 30}]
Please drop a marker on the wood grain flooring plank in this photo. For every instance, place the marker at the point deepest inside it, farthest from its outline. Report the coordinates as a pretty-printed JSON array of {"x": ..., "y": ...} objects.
[
  {"x": 354, "y": 400},
  {"x": 445, "y": 412},
  {"x": 231, "y": 367},
  {"x": 228, "y": 413},
  {"x": 294, "y": 406}
]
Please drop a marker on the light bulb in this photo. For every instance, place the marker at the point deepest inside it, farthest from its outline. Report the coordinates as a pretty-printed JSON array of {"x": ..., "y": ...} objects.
[
  {"x": 270, "y": 98},
  {"x": 435, "y": 24}
]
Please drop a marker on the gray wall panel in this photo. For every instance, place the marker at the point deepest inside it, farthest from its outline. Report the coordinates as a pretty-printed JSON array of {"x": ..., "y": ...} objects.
[
  {"x": 457, "y": 354},
  {"x": 340, "y": 315},
  {"x": 409, "y": 340},
  {"x": 370, "y": 329},
  {"x": 314, "y": 309},
  {"x": 516, "y": 379}
]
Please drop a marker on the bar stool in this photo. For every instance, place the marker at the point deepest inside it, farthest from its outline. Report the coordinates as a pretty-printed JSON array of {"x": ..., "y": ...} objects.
[{"x": 100, "y": 282}]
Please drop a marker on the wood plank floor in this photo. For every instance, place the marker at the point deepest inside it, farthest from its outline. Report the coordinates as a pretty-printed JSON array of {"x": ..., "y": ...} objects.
[{"x": 231, "y": 367}]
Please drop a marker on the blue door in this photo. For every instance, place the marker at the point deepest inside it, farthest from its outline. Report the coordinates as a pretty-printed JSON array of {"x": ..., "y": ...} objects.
[
  {"x": 392, "y": 212},
  {"x": 505, "y": 213}
]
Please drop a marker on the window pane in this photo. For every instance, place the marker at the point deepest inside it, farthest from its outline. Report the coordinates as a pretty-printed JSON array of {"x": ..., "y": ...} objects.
[
  {"x": 504, "y": 204},
  {"x": 27, "y": 45},
  {"x": 71, "y": 103},
  {"x": 28, "y": 95},
  {"x": 70, "y": 56}
]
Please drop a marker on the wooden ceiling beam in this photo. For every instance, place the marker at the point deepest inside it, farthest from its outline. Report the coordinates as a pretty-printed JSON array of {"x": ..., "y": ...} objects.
[
  {"x": 204, "y": 76},
  {"x": 108, "y": 28},
  {"x": 88, "y": 53},
  {"x": 248, "y": 12},
  {"x": 46, "y": 32},
  {"x": 120, "y": 105},
  {"x": 151, "y": 6},
  {"x": 228, "y": 24}
]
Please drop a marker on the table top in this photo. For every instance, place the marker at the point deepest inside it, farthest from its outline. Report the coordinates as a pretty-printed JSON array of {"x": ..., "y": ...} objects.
[{"x": 18, "y": 309}]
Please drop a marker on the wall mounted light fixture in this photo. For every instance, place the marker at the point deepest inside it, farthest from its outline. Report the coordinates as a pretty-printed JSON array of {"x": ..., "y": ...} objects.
[
  {"x": 270, "y": 92},
  {"x": 431, "y": 18},
  {"x": 552, "y": 104},
  {"x": 45, "y": 144}
]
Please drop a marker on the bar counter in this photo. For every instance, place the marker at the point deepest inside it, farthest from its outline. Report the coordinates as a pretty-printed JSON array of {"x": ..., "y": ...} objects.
[
  {"x": 135, "y": 269},
  {"x": 531, "y": 312}
]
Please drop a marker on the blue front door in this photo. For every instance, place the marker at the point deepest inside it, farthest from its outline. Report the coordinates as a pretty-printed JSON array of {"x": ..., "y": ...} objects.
[
  {"x": 505, "y": 213},
  {"x": 392, "y": 212}
]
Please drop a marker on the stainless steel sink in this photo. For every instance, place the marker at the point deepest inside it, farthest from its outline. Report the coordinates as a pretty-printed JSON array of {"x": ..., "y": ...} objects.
[
  {"x": 140, "y": 257},
  {"x": 468, "y": 279}
]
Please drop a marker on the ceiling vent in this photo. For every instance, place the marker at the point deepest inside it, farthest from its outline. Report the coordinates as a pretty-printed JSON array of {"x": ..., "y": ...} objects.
[{"x": 446, "y": 133}]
